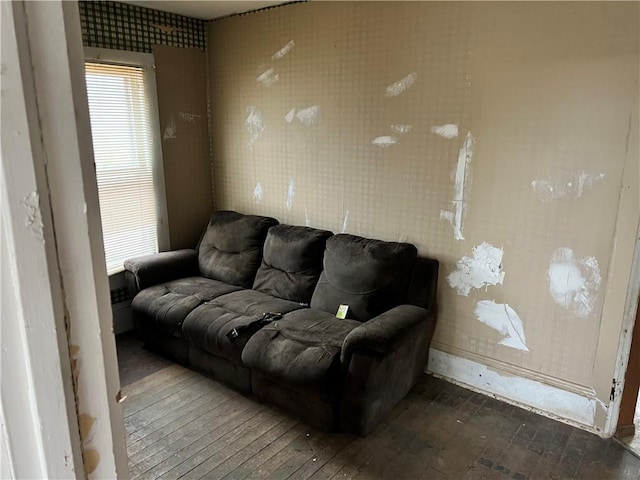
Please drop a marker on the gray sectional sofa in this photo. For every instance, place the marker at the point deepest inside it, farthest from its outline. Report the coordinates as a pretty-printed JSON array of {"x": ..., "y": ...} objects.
[{"x": 334, "y": 373}]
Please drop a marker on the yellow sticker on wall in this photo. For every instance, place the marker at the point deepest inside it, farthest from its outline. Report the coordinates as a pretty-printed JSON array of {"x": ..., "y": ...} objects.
[{"x": 342, "y": 312}]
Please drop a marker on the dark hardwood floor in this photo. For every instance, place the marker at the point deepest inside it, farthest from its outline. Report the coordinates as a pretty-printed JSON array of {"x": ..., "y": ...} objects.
[
  {"x": 180, "y": 424},
  {"x": 135, "y": 361}
]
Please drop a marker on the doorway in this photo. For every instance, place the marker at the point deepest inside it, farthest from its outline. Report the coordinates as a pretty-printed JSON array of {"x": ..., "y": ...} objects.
[{"x": 628, "y": 431}]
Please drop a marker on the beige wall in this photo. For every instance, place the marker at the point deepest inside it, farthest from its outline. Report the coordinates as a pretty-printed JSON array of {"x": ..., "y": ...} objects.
[
  {"x": 549, "y": 93},
  {"x": 182, "y": 106}
]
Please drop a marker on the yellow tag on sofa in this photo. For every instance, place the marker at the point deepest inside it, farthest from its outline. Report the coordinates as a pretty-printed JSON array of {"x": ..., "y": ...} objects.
[{"x": 342, "y": 312}]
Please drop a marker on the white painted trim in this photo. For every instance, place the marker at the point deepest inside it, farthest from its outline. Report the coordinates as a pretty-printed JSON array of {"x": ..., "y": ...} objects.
[
  {"x": 512, "y": 370},
  {"x": 6, "y": 464},
  {"x": 622, "y": 287},
  {"x": 57, "y": 61},
  {"x": 552, "y": 402},
  {"x": 40, "y": 425},
  {"x": 626, "y": 335},
  {"x": 145, "y": 60}
]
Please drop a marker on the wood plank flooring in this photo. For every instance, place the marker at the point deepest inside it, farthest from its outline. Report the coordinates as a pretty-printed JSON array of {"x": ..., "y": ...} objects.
[{"x": 180, "y": 424}]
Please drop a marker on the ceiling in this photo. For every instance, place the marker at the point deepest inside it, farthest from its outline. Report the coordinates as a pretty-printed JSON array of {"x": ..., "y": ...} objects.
[{"x": 205, "y": 10}]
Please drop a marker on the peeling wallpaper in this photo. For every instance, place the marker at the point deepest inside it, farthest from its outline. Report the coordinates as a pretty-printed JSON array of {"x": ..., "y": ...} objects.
[
  {"x": 121, "y": 26},
  {"x": 493, "y": 136}
]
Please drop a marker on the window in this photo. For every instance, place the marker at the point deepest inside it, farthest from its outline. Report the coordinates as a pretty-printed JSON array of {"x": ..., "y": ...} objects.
[{"x": 124, "y": 132}]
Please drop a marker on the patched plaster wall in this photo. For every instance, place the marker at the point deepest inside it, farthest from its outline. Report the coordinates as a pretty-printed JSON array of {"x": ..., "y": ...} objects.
[{"x": 493, "y": 136}]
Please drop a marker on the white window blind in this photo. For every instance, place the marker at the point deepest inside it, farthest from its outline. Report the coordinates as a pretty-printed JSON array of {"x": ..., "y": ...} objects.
[{"x": 123, "y": 150}]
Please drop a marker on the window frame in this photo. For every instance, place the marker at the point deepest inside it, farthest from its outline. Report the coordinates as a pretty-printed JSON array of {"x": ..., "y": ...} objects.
[{"x": 147, "y": 63}]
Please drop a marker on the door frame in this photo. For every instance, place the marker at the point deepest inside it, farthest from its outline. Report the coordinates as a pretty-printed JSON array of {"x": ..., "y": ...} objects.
[
  {"x": 620, "y": 391},
  {"x": 629, "y": 398},
  {"x": 64, "y": 419}
]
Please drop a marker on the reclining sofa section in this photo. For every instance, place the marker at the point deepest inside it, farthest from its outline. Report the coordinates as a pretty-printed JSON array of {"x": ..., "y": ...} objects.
[{"x": 334, "y": 373}]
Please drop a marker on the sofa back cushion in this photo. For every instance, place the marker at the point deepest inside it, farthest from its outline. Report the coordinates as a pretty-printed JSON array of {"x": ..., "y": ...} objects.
[
  {"x": 370, "y": 276},
  {"x": 231, "y": 248},
  {"x": 292, "y": 262}
]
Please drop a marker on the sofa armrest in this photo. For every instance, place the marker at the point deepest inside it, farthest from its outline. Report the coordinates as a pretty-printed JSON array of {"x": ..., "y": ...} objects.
[
  {"x": 382, "y": 360},
  {"x": 380, "y": 333},
  {"x": 149, "y": 270}
]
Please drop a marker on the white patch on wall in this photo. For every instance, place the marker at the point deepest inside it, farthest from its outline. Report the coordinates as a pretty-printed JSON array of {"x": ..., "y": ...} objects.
[
  {"x": 189, "y": 117},
  {"x": 170, "y": 129},
  {"x": 401, "y": 129},
  {"x": 290, "y": 115},
  {"x": 307, "y": 222},
  {"x": 461, "y": 186},
  {"x": 268, "y": 77},
  {"x": 447, "y": 215},
  {"x": 504, "y": 319},
  {"x": 258, "y": 193},
  {"x": 33, "y": 219},
  {"x": 345, "y": 222},
  {"x": 291, "y": 191},
  {"x": 308, "y": 116},
  {"x": 485, "y": 268},
  {"x": 385, "y": 141},
  {"x": 401, "y": 85},
  {"x": 283, "y": 51},
  {"x": 254, "y": 124},
  {"x": 450, "y": 130},
  {"x": 574, "y": 283},
  {"x": 571, "y": 185}
]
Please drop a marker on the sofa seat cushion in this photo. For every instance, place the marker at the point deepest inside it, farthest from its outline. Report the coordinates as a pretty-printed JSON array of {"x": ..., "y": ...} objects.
[
  {"x": 206, "y": 327},
  {"x": 301, "y": 351},
  {"x": 292, "y": 262},
  {"x": 164, "y": 307},
  {"x": 370, "y": 276},
  {"x": 231, "y": 248}
]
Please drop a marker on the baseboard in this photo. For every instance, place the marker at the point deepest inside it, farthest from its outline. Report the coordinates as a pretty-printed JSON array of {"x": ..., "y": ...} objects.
[
  {"x": 625, "y": 431},
  {"x": 511, "y": 370},
  {"x": 553, "y": 402},
  {"x": 122, "y": 317}
]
